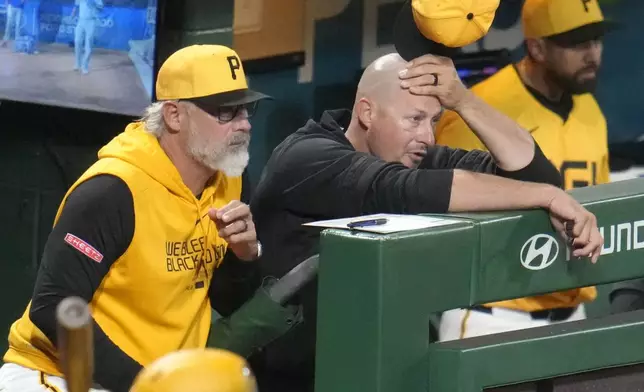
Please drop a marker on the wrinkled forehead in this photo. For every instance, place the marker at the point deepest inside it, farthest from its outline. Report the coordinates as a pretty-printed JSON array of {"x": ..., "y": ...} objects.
[{"x": 405, "y": 101}]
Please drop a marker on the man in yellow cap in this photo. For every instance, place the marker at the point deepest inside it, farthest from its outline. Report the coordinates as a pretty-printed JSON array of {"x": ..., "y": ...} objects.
[
  {"x": 197, "y": 370},
  {"x": 548, "y": 92},
  {"x": 140, "y": 234}
]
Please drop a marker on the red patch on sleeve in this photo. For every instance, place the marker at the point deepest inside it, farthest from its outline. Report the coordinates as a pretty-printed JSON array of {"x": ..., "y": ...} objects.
[{"x": 84, "y": 247}]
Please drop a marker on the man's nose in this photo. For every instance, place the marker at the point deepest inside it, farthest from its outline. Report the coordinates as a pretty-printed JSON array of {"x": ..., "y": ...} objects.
[
  {"x": 426, "y": 135},
  {"x": 595, "y": 51},
  {"x": 244, "y": 125}
]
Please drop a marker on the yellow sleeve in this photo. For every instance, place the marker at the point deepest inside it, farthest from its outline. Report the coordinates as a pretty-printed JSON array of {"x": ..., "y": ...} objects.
[
  {"x": 453, "y": 132},
  {"x": 603, "y": 172}
]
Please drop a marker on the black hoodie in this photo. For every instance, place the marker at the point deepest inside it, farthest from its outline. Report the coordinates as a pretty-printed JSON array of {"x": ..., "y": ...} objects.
[{"x": 316, "y": 174}]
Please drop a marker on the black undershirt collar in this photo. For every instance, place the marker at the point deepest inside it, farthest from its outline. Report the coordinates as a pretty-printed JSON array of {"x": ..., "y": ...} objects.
[{"x": 561, "y": 108}]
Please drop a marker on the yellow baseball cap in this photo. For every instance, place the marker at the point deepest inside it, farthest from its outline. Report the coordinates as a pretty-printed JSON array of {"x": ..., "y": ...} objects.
[
  {"x": 441, "y": 26},
  {"x": 208, "y": 75},
  {"x": 196, "y": 370},
  {"x": 568, "y": 22}
]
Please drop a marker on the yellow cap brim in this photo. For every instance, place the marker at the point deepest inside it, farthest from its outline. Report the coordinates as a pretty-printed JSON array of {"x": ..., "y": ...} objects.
[{"x": 410, "y": 43}]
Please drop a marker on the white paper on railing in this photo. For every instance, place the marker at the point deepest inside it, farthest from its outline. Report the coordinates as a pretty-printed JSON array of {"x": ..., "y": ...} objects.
[{"x": 395, "y": 223}]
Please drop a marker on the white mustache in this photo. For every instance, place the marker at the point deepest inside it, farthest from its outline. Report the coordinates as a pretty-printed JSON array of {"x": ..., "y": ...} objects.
[{"x": 239, "y": 139}]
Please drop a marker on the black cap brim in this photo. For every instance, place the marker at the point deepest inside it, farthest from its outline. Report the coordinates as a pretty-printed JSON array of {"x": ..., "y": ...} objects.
[
  {"x": 229, "y": 98},
  {"x": 589, "y": 32},
  {"x": 410, "y": 43}
]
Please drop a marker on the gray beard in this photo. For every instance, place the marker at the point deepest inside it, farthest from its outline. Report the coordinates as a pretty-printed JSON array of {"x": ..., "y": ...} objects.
[{"x": 231, "y": 160}]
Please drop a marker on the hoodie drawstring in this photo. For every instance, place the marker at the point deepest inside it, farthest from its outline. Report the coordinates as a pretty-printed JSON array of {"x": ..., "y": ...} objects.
[{"x": 202, "y": 258}]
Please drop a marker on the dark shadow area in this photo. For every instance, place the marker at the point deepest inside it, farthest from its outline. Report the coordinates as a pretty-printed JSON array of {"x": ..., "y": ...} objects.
[{"x": 619, "y": 379}]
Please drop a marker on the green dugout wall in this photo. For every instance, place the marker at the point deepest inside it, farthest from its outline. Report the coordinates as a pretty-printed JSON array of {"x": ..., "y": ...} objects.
[{"x": 376, "y": 294}]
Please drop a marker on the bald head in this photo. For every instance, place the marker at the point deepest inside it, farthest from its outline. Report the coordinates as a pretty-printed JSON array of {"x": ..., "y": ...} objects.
[
  {"x": 387, "y": 120},
  {"x": 380, "y": 80}
]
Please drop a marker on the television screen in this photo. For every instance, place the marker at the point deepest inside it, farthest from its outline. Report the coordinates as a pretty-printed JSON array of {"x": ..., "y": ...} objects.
[{"x": 86, "y": 54}]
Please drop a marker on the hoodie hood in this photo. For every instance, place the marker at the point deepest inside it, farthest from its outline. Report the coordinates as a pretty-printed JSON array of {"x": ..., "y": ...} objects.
[{"x": 140, "y": 148}]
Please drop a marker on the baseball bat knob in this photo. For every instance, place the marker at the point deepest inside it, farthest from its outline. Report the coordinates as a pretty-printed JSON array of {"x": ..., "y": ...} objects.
[
  {"x": 73, "y": 313},
  {"x": 75, "y": 343}
]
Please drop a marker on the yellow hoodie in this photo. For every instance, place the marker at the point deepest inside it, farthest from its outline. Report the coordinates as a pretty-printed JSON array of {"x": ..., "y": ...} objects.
[{"x": 152, "y": 301}]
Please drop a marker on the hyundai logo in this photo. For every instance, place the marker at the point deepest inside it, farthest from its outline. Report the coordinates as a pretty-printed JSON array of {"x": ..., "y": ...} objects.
[{"x": 539, "y": 252}]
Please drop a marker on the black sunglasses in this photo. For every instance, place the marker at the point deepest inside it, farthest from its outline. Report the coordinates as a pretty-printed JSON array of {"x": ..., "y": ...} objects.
[{"x": 225, "y": 114}]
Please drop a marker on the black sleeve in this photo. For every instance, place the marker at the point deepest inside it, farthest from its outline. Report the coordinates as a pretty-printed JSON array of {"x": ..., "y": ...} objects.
[
  {"x": 99, "y": 212},
  {"x": 627, "y": 296},
  {"x": 540, "y": 169},
  {"x": 235, "y": 281},
  {"x": 247, "y": 188},
  {"x": 323, "y": 178}
]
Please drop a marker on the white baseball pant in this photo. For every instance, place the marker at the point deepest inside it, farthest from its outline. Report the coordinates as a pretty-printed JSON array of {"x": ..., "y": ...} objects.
[
  {"x": 16, "y": 378},
  {"x": 466, "y": 323}
]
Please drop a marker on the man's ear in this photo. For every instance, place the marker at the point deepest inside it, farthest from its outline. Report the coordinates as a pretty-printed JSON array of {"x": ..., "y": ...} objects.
[
  {"x": 171, "y": 116},
  {"x": 536, "y": 49},
  {"x": 365, "y": 112}
]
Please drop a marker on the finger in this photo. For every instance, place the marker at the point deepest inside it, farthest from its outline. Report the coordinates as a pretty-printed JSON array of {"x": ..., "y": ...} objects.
[
  {"x": 228, "y": 207},
  {"x": 212, "y": 214},
  {"x": 598, "y": 251},
  {"x": 600, "y": 245},
  {"x": 434, "y": 91},
  {"x": 586, "y": 250},
  {"x": 241, "y": 211},
  {"x": 595, "y": 256},
  {"x": 247, "y": 236},
  {"x": 426, "y": 59},
  {"x": 235, "y": 227},
  {"x": 592, "y": 247},
  {"x": 424, "y": 80},
  {"x": 584, "y": 237},
  {"x": 422, "y": 70},
  {"x": 578, "y": 227}
]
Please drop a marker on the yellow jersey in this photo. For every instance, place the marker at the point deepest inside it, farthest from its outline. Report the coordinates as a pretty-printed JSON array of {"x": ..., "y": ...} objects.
[{"x": 575, "y": 142}]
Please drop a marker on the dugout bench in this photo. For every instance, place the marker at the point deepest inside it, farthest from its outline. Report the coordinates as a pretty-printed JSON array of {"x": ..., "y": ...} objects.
[{"x": 377, "y": 291}]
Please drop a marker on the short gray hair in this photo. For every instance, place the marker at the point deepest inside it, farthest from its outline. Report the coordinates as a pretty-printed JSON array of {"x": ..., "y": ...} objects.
[{"x": 153, "y": 118}]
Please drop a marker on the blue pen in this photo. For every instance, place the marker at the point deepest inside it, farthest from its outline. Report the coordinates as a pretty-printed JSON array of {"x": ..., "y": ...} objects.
[{"x": 367, "y": 223}]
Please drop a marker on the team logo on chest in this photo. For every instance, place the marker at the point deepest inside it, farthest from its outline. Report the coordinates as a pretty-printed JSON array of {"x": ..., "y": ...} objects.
[{"x": 186, "y": 255}]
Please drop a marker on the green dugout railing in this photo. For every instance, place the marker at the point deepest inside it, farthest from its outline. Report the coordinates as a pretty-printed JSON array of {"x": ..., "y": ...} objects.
[{"x": 376, "y": 294}]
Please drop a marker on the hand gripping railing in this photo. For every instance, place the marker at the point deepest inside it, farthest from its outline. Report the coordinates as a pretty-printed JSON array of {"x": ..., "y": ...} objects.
[{"x": 376, "y": 294}]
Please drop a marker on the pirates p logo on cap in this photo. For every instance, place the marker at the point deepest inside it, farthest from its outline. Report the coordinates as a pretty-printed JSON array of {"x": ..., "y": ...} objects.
[{"x": 211, "y": 75}]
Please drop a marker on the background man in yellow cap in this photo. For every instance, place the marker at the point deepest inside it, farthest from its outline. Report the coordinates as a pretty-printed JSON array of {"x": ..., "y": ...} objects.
[
  {"x": 548, "y": 92},
  {"x": 139, "y": 235}
]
